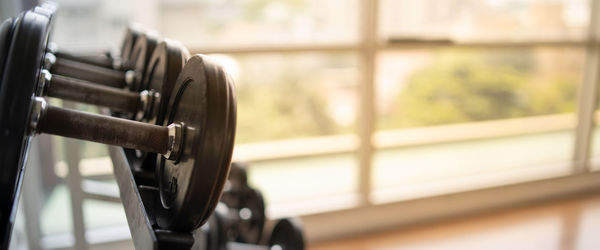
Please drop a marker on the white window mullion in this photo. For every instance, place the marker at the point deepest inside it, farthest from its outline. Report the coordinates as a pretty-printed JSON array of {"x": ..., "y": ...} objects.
[
  {"x": 367, "y": 97},
  {"x": 587, "y": 96}
]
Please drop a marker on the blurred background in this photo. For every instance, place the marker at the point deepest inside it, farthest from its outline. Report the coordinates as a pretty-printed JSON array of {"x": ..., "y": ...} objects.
[{"x": 360, "y": 116}]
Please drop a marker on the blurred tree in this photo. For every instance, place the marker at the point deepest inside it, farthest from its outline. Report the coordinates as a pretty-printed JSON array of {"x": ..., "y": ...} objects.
[
  {"x": 289, "y": 108},
  {"x": 463, "y": 86}
]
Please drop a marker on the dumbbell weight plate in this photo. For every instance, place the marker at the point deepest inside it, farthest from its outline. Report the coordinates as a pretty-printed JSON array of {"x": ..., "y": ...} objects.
[
  {"x": 6, "y": 31},
  {"x": 287, "y": 234},
  {"x": 165, "y": 65},
  {"x": 250, "y": 229},
  {"x": 217, "y": 229},
  {"x": 132, "y": 33},
  {"x": 140, "y": 56},
  {"x": 22, "y": 68},
  {"x": 162, "y": 71},
  {"x": 248, "y": 202},
  {"x": 204, "y": 102}
]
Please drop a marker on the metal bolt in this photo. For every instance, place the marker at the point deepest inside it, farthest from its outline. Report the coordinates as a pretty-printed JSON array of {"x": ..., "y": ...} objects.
[
  {"x": 130, "y": 77},
  {"x": 49, "y": 60},
  {"x": 44, "y": 81},
  {"x": 38, "y": 109},
  {"x": 175, "y": 141},
  {"x": 150, "y": 100}
]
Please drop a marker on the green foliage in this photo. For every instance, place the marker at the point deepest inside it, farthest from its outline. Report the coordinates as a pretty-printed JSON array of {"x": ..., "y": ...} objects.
[
  {"x": 464, "y": 86},
  {"x": 287, "y": 109}
]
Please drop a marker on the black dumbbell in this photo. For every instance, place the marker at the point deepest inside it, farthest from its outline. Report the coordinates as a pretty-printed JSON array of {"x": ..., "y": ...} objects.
[
  {"x": 285, "y": 235},
  {"x": 106, "y": 60},
  {"x": 165, "y": 63},
  {"x": 137, "y": 51},
  {"x": 195, "y": 140},
  {"x": 246, "y": 206},
  {"x": 131, "y": 76},
  {"x": 149, "y": 105}
]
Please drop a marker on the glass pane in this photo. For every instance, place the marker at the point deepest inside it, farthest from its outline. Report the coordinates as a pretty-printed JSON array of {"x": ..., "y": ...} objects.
[
  {"x": 287, "y": 96},
  {"x": 102, "y": 214},
  {"x": 305, "y": 179},
  {"x": 291, "y": 106},
  {"x": 56, "y": 215},
  {"x": 489, "y": 20},
  {"x": 246, "y": 22},
  {"x": 449, "y": 118}
]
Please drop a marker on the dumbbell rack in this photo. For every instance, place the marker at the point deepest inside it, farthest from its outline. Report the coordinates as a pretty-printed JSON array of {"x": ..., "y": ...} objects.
[{"x": 136, "y": 202}]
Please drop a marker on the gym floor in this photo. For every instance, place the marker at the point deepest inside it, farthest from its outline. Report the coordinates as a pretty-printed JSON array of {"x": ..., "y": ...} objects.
[{"x": 563, "y": 224}]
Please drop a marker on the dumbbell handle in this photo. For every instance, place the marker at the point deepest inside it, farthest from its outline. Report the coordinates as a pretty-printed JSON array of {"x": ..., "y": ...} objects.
[
  {"x": 87, "y": 72},
  {"x": 85, "y": 92},
  {"x": 104, "y": 60},
  {"x": 101, "y": 60},
  {"x": 106, "y": 129}
]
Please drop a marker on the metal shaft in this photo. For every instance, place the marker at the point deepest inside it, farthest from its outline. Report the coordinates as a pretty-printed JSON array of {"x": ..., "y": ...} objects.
[
  {"x": 103, "y": 129},
  {"x": 87, "y": 72},
  {"x": 86, "y": 92},
  {"x": 100, "y": 60}
]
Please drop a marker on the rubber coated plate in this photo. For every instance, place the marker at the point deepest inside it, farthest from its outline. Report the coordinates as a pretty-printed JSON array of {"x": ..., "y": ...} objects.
[
  {"x": 165, "y": 64},
  {"x": 164, "y": 67},
  {"x": 131, "y": 35},
  {"x": 287, "y": 234},
  {"x": 204, "y": 102},
  {"x": 250, "y": 230},
  {"x": 44, "y": 11},
  {"x": 6, "y": 32},
  {"x": 141, "y": 53},
  {"x": 23, "y": 64},
  {"x": 217, "y": 229},
  {"x": 243, "y": 199}
]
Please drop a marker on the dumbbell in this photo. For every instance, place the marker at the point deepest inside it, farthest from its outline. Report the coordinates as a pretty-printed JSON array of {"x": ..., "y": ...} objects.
[
  {"x": 150, "y": 99},
  {"x": 195, "y": 141},
  {"x": 285, "y": 235},
  {"x": 6, "y": 29},
  {"x": 246, "y": 206},
  {"x": 106, "y": 61},
  {"x": 130, "y": 76},
  {"x": 165, "y": 63},
  {"x": 136, "y": 53},
  {"x": 149, "y": 105}
]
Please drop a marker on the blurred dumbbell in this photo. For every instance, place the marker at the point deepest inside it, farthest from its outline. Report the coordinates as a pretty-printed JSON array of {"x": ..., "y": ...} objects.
[
  {"x": 106, "y": 59},
  {"x": 246, "y": 206},
  {"x": 285, "y": 235},
  {"x": 131, "y": 75},
  {"x": 126, "y": 70},
  {"x": 240, "y": 217},
  {"x": 147, "y": 105},
  {"x": 165, "y": 63},
  {"x": 195, "y": 140}
]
